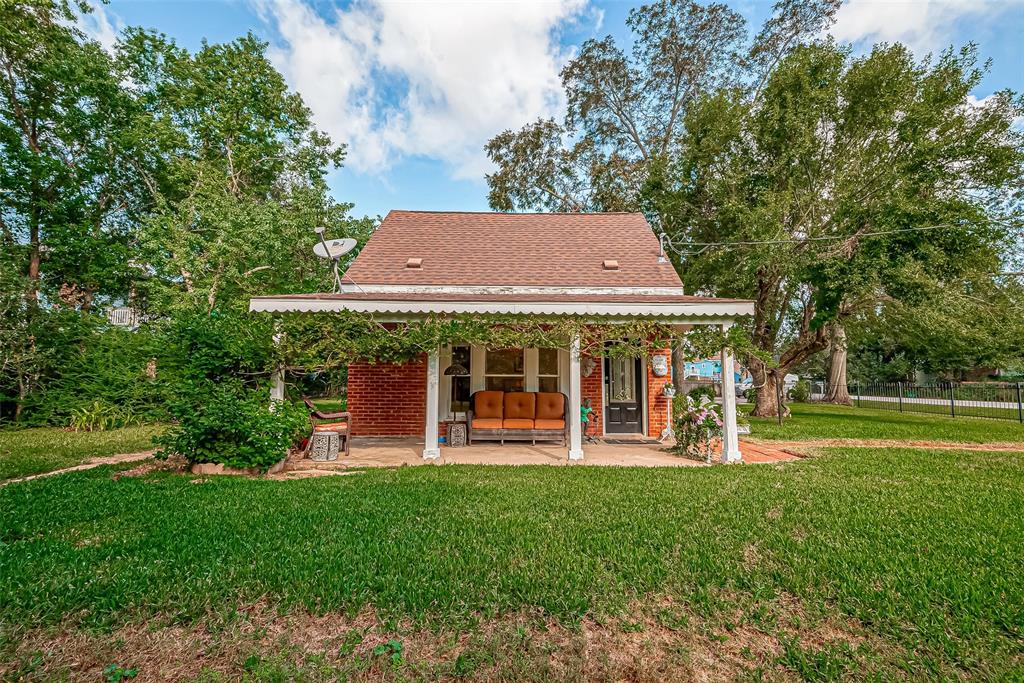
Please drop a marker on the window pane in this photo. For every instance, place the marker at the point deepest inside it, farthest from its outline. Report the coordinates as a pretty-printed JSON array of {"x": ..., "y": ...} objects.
[
  {"x": 504, "y": 362},
  {"x": 547, "y": 384},
  {"x": 504, "y": 384},
  {"x": 621, "y": 380},
  {"x": 547, "y": 361},
  {"x": 460, "y": 394}
]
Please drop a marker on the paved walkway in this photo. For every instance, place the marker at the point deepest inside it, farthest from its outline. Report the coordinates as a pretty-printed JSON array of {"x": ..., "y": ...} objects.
[
  {"x": 88, "y": 465},
  {"x": 397, "y": 452}
]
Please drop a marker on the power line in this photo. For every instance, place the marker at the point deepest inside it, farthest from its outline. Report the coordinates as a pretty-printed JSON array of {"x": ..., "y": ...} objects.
[{"x": 704, "y": 246}]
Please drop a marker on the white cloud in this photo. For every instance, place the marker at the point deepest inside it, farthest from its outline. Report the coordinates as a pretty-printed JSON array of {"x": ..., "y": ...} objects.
[
  {"x": 437, "y": 80},
  {"x": 923, "y": 25},
  {"x": 98, "y": 26}
]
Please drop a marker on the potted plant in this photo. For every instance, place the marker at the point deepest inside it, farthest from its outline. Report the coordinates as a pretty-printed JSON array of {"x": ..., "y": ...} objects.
[
  {"x": 697, "y": 424},
  {"x": 669, "y": 390}
]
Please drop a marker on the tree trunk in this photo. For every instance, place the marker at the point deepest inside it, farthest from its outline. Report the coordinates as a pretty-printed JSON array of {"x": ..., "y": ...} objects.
[
  {"x": 767, "y": 384},
  {"x": 678, "y": 368},
  {"x": 836, "y": 391}
]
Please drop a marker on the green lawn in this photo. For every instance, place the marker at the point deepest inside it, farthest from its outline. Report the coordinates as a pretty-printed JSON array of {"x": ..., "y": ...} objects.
[
  {"x": 31, "y": 451},
  {"x": 819, "y": 421},
  {"x": 914, "y": 555}
]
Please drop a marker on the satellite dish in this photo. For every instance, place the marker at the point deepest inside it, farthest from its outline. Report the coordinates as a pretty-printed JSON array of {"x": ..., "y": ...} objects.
[{"x": 334, "y": 249}]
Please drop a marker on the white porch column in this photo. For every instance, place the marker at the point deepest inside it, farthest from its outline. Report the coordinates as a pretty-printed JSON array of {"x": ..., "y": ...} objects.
[
  {"x": 430, "y": 447},
  {"x": 730, "y": 436},
  {"x": 575, "y": 398},
  {"x": 277, "y": 378}
]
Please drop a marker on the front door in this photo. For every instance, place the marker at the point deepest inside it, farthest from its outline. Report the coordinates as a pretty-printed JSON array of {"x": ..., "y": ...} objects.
[{"x": 623, "y": 391}]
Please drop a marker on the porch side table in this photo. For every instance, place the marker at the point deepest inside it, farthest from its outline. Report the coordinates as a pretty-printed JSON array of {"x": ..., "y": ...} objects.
[
  {"x": 323, "y": 446},
  {"x": 456, "y": 434}
]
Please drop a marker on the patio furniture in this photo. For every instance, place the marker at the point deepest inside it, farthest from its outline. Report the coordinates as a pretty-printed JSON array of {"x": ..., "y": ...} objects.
[
  {"x": 339, "y": 422},
  {"x": 456, "y": 434},
  {"x": 323, "y": 446},
  {"x": 517, "y": 416}
]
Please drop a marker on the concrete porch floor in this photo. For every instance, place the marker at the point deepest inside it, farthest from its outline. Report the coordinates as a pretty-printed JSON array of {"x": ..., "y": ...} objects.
[{"x": 394, "y": 452}]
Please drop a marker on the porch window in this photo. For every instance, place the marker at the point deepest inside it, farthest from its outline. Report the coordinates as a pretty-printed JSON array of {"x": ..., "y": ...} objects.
[
  {"x": 461, "y": 383},
  {"x": 504, "y": 370},
  {"x": 547, "y": 370}
]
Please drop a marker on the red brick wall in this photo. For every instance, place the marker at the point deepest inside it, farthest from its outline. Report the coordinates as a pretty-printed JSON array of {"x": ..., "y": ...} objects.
[
  {"x": 657, "y": 402},
  {"x": 590, "y": 387},
  {"x": 387, "y": 399}
]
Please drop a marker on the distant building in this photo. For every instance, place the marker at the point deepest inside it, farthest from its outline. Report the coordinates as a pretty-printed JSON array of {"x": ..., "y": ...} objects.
[{"x": 710, "y": 369}]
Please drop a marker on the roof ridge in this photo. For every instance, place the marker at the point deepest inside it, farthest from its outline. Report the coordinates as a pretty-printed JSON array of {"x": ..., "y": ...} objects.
[{"x": 522, "y": 213}]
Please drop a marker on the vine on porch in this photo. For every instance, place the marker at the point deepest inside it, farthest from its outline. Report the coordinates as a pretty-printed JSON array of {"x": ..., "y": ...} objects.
[{"x": 326, "y": 342}]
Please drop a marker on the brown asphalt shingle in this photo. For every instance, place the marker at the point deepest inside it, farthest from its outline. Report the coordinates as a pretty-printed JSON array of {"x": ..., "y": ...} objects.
[{"x": 537, "y": 249}]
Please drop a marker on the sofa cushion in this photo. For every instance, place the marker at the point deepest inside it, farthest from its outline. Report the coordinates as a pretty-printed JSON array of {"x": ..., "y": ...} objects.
[
  {"x": 520, "y": 405},
  {"x": 549, "y": 424},
  {"x": 488, "y": 404},
  {"x": 486, "y": 423},
  {"x": 550, "y": 406},
  {"x": 516, "y": 423}
]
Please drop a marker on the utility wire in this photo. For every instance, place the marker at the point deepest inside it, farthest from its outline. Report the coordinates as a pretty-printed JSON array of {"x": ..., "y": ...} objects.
[{"x": 704, "y": 246}]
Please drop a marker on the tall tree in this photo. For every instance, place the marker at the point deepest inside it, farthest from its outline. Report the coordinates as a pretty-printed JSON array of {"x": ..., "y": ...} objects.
[
  {"x": 846, "y": 183},
  {"x": 69, "y": 194},
  {"x": 240, "y": 179},
  {"x": 624, "y": 123}
]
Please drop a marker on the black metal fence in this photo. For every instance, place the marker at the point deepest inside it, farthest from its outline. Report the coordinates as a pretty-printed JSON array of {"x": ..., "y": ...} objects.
[{"x": 995, "y": 400}]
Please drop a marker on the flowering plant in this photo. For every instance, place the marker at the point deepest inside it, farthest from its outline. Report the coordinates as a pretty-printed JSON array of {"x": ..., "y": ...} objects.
[{"x": 697, "y": 423}]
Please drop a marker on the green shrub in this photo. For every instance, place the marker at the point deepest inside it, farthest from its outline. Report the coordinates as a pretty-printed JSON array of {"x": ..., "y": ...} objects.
[
  {"x": 223, "y": 423},
  {"x": 801, "y": 391},
  {"x": 699, "y": 391},
  {"x": 99, "y": 416}
]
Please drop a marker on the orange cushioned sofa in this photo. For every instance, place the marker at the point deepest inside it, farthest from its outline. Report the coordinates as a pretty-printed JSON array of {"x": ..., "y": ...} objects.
[{"x": 517, "y": 416}]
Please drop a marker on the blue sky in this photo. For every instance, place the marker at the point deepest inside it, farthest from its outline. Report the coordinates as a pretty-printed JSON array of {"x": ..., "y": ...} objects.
[{"x": 417, "y": 88}]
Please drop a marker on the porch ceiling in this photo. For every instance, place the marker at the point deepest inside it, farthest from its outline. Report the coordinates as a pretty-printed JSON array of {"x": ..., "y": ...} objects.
[{"x": 676, "y": 308}]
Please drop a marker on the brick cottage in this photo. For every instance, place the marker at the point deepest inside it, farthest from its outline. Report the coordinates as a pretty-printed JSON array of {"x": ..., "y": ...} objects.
[{"x": 600, "y": 267}]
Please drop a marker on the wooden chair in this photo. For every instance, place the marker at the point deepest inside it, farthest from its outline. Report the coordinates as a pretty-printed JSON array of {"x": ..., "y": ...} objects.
[{"x": 340, "y": 422}]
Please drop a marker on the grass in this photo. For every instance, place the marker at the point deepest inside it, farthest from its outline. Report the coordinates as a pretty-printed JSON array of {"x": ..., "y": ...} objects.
[
  {"x": 820, "y": 421},
  {"x": 913, "y": 554},
  {"x": 24, "y": 452}
]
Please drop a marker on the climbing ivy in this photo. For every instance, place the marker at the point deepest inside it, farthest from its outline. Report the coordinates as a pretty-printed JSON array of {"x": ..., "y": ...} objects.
[{"x": 331, "y": 341}]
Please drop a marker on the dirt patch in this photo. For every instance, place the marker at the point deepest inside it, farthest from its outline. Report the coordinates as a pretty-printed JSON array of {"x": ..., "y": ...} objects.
[
  {"x": 172, "y": 464},
  {"x": 655, "y": 641}
]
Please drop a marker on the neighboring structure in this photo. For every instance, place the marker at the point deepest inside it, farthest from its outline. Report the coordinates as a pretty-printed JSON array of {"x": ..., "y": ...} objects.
[
  {"x": 710, "y": 369},
  {"x": 601, "y": 267}
]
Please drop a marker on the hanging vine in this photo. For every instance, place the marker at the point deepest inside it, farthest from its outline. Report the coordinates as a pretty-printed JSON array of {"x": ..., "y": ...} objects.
[{"x": 330, "y": 341}]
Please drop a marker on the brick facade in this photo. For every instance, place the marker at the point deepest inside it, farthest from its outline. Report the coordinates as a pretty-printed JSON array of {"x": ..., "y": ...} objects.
[
  {"x": 387, "y": 399},
  {"x": 657, "y": 402},
  {"x": 390, "y": 400}
]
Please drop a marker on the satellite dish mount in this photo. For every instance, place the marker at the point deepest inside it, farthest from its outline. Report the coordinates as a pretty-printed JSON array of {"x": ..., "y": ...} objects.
[{"x": 333, "y": 250}]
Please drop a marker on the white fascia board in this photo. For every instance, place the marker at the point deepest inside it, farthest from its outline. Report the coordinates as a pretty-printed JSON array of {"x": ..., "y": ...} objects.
[
  {"x": 470, "y": 290},
  {"x": 673, "y": 312}
]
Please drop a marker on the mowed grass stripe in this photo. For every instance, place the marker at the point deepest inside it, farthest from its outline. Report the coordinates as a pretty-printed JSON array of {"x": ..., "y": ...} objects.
[{"x": 923, "y": 547}]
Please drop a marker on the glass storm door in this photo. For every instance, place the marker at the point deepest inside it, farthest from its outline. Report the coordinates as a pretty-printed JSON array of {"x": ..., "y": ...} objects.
[{"x": 623, "y": 390}]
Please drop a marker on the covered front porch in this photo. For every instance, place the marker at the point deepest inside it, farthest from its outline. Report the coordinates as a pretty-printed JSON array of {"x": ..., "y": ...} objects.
[{"x": 385, "y": 398}]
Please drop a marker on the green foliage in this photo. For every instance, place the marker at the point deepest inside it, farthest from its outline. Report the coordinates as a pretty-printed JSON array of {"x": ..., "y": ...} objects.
[
  {"x": 696, "y": 422},
  {"x": 801, "y": 391},
  {"x": 99, "y": 416},
  {"x": 702, "y": 391},
  {"x": 220, "y": 399},
  {"x": 222, "y": 423},
  {"x": 114, "y": 673}
]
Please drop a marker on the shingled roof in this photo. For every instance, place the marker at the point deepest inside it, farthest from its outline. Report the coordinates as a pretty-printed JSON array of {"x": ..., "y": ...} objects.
[{"x": 506, "y": 249}]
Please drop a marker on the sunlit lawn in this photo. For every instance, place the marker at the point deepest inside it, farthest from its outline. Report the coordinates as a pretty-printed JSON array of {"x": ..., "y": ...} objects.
[
  {"x": 32, "y": 451},
  {"x": 819, "y": 421},
  {"x": 915, "y": 553}
]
